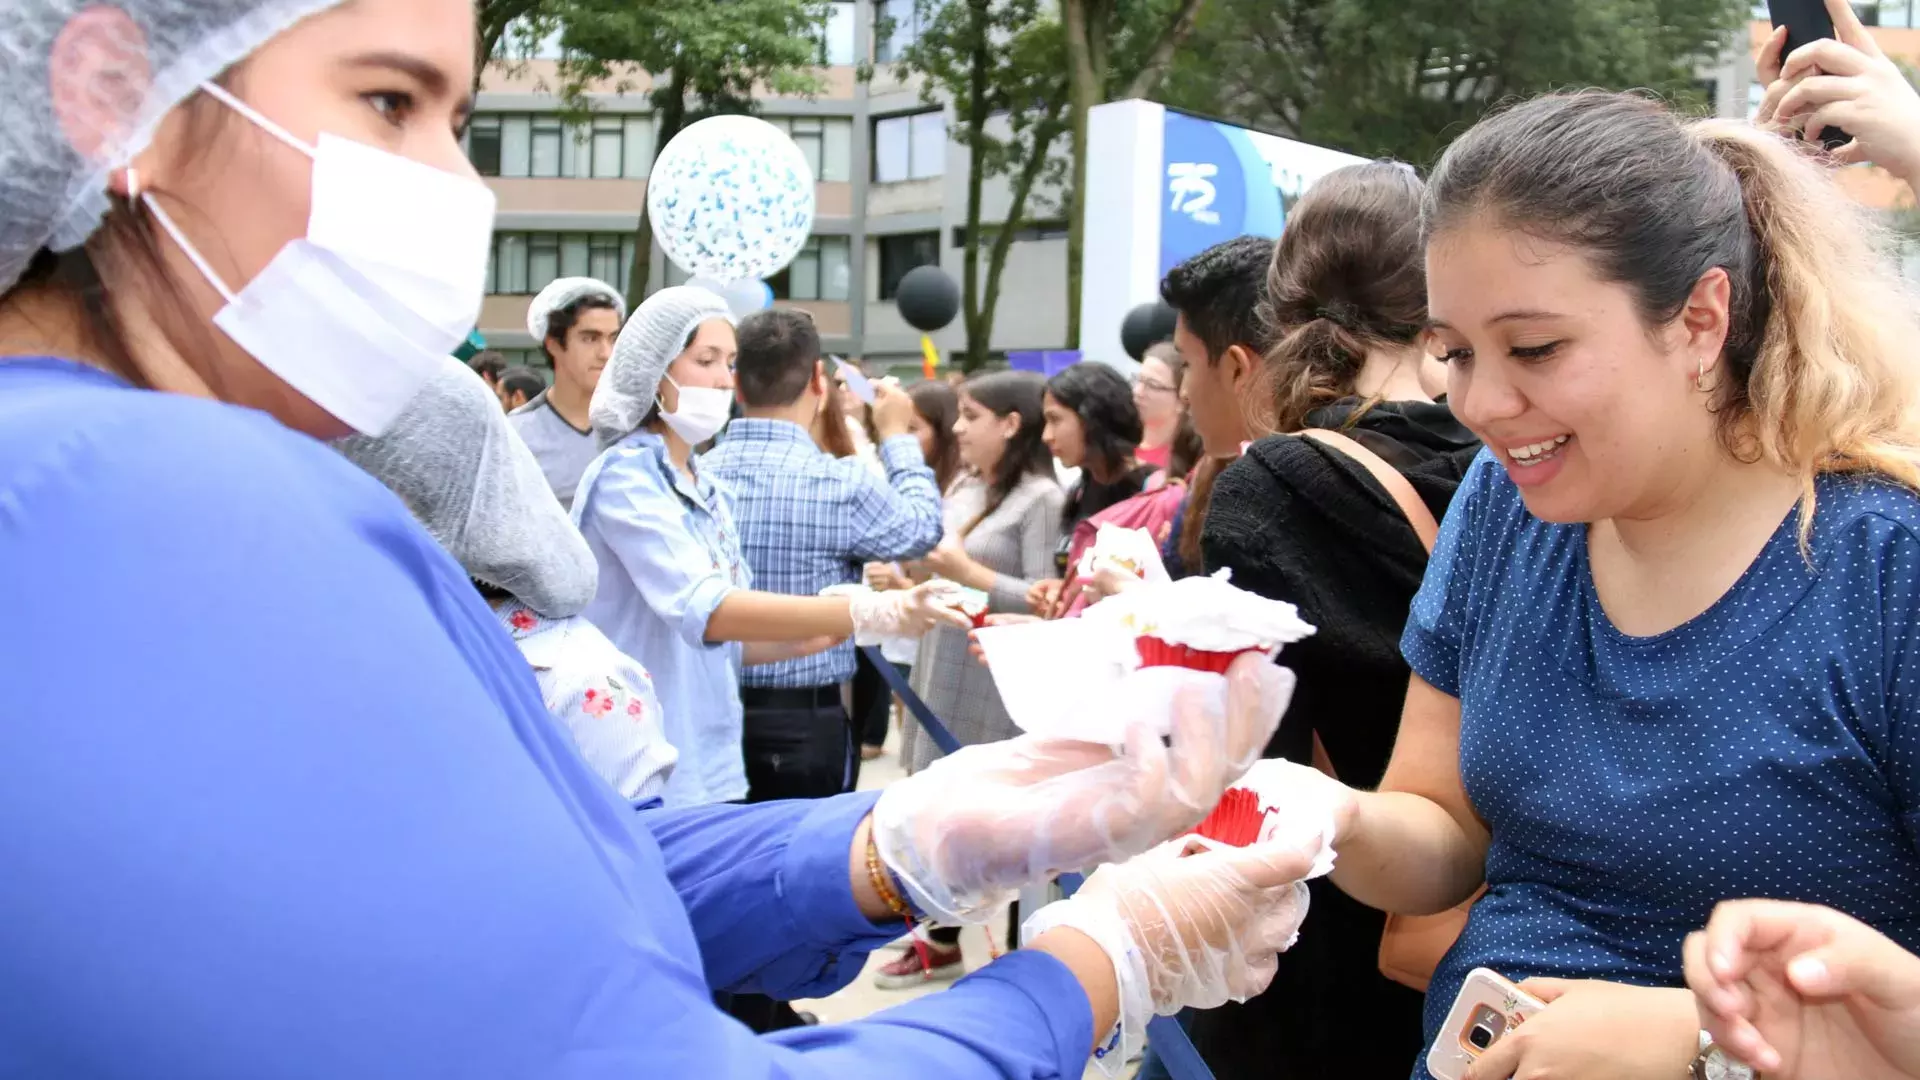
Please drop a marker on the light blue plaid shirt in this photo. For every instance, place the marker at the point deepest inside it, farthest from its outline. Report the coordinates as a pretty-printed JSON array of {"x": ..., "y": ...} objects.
[{"x": 809, "y": 520}]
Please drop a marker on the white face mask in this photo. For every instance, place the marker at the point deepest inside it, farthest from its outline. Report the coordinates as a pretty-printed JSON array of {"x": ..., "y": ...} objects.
[
  {"x": 703, "y": 411},
  {"x": 358, "y": 314}
]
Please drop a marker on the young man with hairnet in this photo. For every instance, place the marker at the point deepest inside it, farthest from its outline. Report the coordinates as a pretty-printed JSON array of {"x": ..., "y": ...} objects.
[
  {"x": 575, "y": 320},
  {"x": 470, "y": 480}
]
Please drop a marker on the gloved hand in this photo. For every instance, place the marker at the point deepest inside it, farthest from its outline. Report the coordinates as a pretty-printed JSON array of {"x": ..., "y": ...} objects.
[
  {"x": 1190, "y": 924},
  {"x": 965, "y": 833},
  {"x": 880, "y": 615}
]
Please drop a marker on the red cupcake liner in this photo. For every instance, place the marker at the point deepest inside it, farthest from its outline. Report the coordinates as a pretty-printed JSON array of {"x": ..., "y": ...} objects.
[
  {"x": 1235, "y": 821},
  {"x": 1157, "y": 653}
]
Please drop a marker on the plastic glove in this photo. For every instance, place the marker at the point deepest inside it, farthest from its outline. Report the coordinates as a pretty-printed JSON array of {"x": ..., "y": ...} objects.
[
  {"x": 881, "y": 615},
  {"x": 967, "y": 832},
  {"x": 1190, "y": 924}
]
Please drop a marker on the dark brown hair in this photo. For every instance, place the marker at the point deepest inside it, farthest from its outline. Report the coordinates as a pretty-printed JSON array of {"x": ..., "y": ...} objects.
[
  {"x": 1348, "y": 277},
  {"x": 1004, "y": 394},
  {"x": 561, "y": 320},
  {"x": 779, "y": 350},
  {"x": 1109, "y": 419},
  {"x": 127, "y": 249},
  {"x": 939, "y": 406}
]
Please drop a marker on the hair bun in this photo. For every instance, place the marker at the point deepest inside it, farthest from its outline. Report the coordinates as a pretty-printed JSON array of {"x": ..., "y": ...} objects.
[{"x": 1341, "y": 313}]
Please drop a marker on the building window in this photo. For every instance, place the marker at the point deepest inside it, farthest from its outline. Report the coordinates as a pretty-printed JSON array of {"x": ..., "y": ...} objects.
[
  {"x": 900, "y": 254},
  {"x": 819, "y": 272},
  {"x": 546, "y": 146},
  {"x": 826, "y": 143},
  {"x": 1025, "y": 234},
  {"x": 1897, "y": 13},
  {"x": 911, "y": 147},
  {"x": 897, "y": 26},
  {"x": 539, "y": 145},
  {"x": 516, "y": 145},
  {"x": 523, "y": 263},
  {"x": 483, "y": 145},
  {"x": 838, "y": 44}
]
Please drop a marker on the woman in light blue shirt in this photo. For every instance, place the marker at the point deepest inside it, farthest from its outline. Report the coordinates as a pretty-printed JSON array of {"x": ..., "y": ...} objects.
[{"x": 675, "y": 590}]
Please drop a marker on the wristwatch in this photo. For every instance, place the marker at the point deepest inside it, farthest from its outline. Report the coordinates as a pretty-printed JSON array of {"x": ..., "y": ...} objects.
[{"x": 1714, "y": 1063}]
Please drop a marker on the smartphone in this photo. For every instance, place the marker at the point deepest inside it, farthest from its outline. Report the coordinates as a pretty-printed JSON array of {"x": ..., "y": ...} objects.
[
  {"x": 1806, "y": 20},
  {"x": 1487, "y": 1009}
]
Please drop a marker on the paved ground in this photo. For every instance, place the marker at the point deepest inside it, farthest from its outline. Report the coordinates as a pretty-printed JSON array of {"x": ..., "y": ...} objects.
[{"x": 862, "y": 998}]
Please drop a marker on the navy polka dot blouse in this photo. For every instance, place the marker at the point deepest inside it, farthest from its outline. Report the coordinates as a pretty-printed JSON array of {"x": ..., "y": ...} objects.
[{"x": 1768, "y": 748}]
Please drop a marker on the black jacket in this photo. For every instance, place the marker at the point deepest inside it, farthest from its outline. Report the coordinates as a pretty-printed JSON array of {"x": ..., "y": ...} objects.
[{"x": 1300, "y": 522}]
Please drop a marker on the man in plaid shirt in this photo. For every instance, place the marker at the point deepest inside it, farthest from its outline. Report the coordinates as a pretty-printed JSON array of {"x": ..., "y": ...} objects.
[{"x": 809, "y": 521}]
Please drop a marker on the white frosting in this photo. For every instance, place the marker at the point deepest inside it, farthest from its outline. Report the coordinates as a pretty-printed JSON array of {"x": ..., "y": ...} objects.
[
  {"x": 1205, "y": 613},
  {"x": 1130, "y": 551}
]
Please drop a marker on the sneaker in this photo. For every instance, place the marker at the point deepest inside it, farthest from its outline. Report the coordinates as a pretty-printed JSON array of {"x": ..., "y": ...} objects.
[{"x": 906, "y": 971}]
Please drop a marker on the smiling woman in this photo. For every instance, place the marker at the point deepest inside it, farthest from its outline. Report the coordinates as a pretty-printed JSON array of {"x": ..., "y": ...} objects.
[{"x": 1660, "y": 632}]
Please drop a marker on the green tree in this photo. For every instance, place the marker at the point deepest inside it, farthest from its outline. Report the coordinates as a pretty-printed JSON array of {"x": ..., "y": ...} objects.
[
  {"x": 499, "y": 27},
  {"x": 1115, "y": 50},
  {"x": 1400, "y": 78},
  {"x": 702, "y": 57},
  {"x": 993, "y": 59}
]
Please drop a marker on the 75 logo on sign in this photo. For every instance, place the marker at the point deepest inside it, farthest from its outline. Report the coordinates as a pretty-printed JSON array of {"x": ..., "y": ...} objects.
[{"x": 1190, "y": 183}]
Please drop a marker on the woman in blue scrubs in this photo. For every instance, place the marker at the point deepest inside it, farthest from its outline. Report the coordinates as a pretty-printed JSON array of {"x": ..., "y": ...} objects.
[{"x": 278, "y": 796}]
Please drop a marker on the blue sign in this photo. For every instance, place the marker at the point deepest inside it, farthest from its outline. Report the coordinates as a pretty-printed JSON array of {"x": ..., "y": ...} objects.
[{"x": 1222, "y": 182}]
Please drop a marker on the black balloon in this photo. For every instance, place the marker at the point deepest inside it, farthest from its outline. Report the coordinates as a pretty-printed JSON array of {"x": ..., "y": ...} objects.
[
  {"x": 1146, "y": 326},
  {"x": 929, "y": 299}
]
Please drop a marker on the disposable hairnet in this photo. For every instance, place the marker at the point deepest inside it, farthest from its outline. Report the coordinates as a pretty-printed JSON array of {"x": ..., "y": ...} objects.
[
  {"x": 457, "y": 464},
  {"x": 563, "y": 292},
  {"x": 656, "y": 334},
  {"x": 159, "y": 51}
]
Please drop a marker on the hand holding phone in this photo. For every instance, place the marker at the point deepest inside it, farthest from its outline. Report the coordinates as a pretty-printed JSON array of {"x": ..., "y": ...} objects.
[
  {"x": 1806, "y": 21},
  {"x": 1486, "y": 1010}
]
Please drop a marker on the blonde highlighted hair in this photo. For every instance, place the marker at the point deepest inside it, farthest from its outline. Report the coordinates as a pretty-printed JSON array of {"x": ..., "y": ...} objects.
[{"x": 1818, "y": 374}]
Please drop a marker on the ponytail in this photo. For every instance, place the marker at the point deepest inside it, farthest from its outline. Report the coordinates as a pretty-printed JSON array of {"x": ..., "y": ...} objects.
[
  {"x": 1821, "y": 373},
  {"x": 1348, "y": 277}
]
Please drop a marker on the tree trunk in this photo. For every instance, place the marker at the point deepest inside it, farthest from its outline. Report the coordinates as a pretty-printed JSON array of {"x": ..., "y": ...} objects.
[
  {"x": 1160, "y": 58},
  {"x": 979, "y": 324},
  {"x": 1023, "y": 186},
  {"x": 669, "y": 115},
  {"x": 1084, "y": 92}
]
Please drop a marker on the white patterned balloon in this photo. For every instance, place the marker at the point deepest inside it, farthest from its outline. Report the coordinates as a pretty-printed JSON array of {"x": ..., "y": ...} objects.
[{"x": 731, "y": 199}]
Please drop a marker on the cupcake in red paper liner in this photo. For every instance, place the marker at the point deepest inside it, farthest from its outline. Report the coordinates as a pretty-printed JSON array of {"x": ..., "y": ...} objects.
[
  {"x": 1201, "y": 623},
  {"x": 973, "y": 604}
]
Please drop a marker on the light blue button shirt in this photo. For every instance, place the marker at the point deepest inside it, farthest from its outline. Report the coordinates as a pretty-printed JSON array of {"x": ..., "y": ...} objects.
[{"x": 669, "y": 553}]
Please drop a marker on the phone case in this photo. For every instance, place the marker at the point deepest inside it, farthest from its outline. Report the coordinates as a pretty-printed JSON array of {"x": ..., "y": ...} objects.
[
  {"x": 1487, "y": 1008},
  {"x": 1806, "y": 20}
]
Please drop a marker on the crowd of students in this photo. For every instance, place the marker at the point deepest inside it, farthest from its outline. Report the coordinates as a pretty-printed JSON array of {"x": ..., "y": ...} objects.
[{"x": 458, "y": 724}]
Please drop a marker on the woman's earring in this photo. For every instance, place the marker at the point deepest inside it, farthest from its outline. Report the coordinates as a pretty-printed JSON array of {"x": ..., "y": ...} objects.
[{"x": 1700, "y": 379}]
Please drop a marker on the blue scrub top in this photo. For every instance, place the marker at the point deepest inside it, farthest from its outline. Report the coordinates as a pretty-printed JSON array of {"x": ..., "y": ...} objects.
[
  {"x": 278, "y": 798},
  {"x": 1769, "y": 747}
]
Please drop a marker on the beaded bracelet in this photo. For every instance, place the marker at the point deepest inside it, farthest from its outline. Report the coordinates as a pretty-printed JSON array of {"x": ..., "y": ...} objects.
[{"x": 884, "y": 883}]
